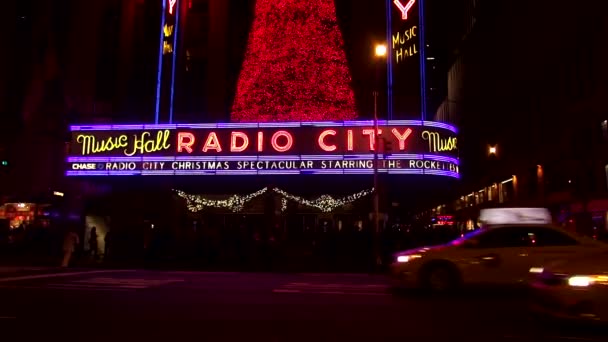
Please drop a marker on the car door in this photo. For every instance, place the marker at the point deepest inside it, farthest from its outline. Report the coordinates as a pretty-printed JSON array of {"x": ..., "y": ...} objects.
[
  {"x": 495, "y": 256},
  {"x": 551, "y": 245}
]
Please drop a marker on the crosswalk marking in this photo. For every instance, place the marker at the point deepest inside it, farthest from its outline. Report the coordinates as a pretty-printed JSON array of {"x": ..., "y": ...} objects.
[
  {"x": 56, "y": 275},
  {"x": 136, "y": 282},
  {"x": 107, "y": 284},
  {"x": 334, "y": 289}
]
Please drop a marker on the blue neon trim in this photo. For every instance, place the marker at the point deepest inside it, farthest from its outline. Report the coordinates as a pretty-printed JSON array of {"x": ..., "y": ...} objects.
[
  {"x": 365, "y": 123},
  {"x": 389, "y": 60},
  {"x": 262, "y": 172},
  {"x": 175, "y": 34},
  {"x": 422, "y": 60},
  {"x": 160, "y": 63}
]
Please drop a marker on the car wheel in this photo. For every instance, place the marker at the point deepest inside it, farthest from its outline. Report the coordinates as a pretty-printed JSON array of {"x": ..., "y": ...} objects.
[{"x": 440, "y": 279}]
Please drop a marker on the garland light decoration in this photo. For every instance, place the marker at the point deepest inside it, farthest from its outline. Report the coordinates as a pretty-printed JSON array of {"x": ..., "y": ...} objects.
[
  {"x": 236, "y": 203},
  {"x": 325, "y": 203}
]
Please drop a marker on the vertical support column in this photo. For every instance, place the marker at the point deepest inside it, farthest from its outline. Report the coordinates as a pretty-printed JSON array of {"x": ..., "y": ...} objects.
[
  {"x": 389, "y": 60},
  {"x": 423, "y": 98},
  {"x": 176, "y": 12},
  {"x": 161, "y": 41}
]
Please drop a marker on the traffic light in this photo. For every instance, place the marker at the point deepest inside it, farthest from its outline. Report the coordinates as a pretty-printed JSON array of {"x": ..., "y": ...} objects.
[{"x": 4, "y": 163}]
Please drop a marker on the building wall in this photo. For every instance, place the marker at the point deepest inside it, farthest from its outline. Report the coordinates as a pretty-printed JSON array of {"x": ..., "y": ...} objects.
[{"x": 527, "y": 79}]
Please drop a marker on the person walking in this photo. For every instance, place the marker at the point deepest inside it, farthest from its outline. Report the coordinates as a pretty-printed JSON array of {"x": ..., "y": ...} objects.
[
  {"x": 93, "y": 245},
  {"x": 69, "y": 246}
]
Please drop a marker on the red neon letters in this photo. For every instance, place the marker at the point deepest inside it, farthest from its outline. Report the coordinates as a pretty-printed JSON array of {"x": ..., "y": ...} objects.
[
  {"x": 402, "y": 137},
  {"x": 260, "y": 141},
  {"x": 234, "y": 147},
  {"x": 275, "y": 141},
  {"x": 372, "y": 137},
  {"x": 327, "y": 140},
  {"x": 404, "y": 9},
  {"x": 171, "y": 5},
  {"x": 212, "y": 143},
  {"x": 323, "y": 145},
  {"x": 185, "y": 141}
]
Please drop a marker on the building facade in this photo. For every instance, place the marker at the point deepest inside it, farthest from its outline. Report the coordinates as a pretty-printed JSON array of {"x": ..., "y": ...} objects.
[
  {"x": 96, "y": 62},
  {"x": 524, "y": 86}
]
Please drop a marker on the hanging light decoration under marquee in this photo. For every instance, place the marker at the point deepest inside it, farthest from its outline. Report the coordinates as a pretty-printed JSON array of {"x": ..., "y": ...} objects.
[
  {"x": 236, "y": 203},
  {"x": 325, "y": 203}
]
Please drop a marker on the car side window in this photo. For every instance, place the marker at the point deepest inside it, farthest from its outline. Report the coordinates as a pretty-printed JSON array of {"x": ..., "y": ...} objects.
[
  {"x": 504, "y": 237},
  {"x": 547, "y": 237}
]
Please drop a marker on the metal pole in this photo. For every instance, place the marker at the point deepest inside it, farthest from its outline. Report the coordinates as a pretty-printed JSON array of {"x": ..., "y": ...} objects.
[
  {"x": 422, "y": 19},
  {"x": 376, "y": 146},
  {"x": 376, "y": 233},
  {"x": 389, "y": 59},
  {"x": 175, "y": 34}
]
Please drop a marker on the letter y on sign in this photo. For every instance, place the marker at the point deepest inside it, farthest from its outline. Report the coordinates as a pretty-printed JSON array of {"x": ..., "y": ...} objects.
[
  {"x": 171, "y": 5},
  {"x": 404, "y": 9}
]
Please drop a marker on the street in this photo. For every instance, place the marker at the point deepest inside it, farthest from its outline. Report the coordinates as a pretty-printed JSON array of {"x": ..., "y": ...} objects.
[{"x": 95, "y": 305}]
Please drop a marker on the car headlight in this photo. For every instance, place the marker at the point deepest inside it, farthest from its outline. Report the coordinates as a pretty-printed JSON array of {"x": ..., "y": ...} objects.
[
  {"x": 584, "y": 281},
  {"x": 408, "y": 258}
]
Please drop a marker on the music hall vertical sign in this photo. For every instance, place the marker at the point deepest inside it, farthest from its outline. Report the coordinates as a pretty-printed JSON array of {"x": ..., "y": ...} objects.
[{"x": 406, "y": 48}]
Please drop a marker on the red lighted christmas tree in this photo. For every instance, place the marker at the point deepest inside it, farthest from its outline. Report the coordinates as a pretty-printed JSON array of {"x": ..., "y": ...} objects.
[{"x": 295, "y": 68}]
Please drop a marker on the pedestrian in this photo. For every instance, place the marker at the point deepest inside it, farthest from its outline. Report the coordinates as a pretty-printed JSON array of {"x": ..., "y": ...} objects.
[
  {"x": 107, "y": 245},
  {"x": 93, "y": 246},
  {"x": 69, "y": 245}
]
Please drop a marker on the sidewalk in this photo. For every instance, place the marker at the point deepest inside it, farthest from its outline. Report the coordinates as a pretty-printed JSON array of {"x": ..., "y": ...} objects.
[{"x": 17, "y": 271}]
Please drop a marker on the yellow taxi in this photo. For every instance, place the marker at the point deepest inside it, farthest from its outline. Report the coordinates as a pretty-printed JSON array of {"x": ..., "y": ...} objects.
[
  {"x": 510, "y": 242},
  {"x": 572, "y": 289}
]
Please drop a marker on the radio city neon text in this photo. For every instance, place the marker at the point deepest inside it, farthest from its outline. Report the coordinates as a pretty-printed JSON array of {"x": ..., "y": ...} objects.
[{"x": 283, "y": 141}]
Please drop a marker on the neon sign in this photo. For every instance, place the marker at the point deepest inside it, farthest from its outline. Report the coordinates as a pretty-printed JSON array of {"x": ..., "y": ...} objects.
[
  {"x": 437, "y": 143},
  {"x": 264, "y": 148},
  {"x": 139, "y": 143},
  {"x": 404, "y": 9},
  {"x": 171, "y": 5}
]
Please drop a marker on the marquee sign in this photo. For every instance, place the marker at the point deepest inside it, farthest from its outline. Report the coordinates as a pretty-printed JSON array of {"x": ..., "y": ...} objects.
[
  {"x": 404, "y": 147},
  {"x": 406, "y": 47}
]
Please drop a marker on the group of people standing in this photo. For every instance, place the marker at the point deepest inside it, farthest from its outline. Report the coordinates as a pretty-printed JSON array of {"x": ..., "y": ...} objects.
[{"x": 72, "y": 240}]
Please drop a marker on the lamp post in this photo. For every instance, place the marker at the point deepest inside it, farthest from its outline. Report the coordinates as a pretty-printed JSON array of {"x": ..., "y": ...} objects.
[{"x": 380, "y": 54}]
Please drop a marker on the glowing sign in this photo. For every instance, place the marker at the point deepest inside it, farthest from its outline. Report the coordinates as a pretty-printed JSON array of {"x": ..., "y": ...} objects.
[
  {"x": 168, "y": 30},
  {"x": 437, "y": 143},
  {"x": 515, "y": 216},
  {"x": 136, "y": 144},
  {"x": 288, "y": 165},
  {"x": 171, "y": 5},
  {"x": 404, "y": 9},
  {"x": 322, "y": 147}
]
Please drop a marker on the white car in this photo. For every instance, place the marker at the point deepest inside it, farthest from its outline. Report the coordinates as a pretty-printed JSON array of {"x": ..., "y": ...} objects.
[
  {"x": 575, "y": 289},
  {"x": 497, "y": 254}
]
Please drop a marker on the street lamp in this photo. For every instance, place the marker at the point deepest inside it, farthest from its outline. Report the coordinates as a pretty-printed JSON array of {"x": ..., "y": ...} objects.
[
  {"x": 380, "y": 50},
  {"x": 492, "y": 150}
]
